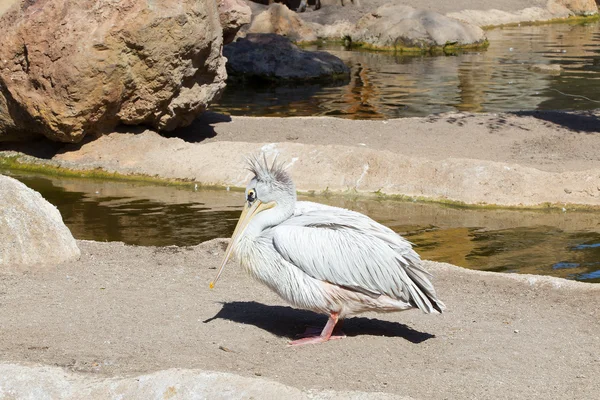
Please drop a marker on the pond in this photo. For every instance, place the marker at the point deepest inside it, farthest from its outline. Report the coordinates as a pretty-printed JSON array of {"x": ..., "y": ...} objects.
[
  {"x": 557, "y": 243},
  {"x": 502, "y": 78}
]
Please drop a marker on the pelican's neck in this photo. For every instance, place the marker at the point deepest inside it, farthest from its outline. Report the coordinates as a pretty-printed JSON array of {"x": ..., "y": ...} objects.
[{"x": 269, "y": 218}]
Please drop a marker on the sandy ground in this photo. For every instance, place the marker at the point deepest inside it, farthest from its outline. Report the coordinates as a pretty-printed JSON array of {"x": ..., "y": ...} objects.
[{"x": 124, "y": 311}]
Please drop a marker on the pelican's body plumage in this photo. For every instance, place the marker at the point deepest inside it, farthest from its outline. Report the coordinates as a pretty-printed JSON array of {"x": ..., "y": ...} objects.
[
  {"x": 326, "y": 259},
  {"x": 329, "y": 259}
]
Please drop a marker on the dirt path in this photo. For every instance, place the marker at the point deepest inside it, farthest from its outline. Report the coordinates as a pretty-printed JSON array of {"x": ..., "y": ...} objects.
[{"x": 122, "y": 311}]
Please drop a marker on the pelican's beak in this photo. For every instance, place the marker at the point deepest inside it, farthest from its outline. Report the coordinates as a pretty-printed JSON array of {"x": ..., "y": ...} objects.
[{"x": 248, "y": 213}]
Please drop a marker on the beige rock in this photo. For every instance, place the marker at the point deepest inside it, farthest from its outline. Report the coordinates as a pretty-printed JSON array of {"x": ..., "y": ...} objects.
[
  {"x": 553, "y": 9},
  {"x": 455, "y": 176},
  {"x": 74, "y": 68},
  {"x": 6, "y": 4},
  {"x": 398, "y": 27},
  {"x": 32, "y": 231},
  {"x": 233, "y": 15},
  {"x": 577, "y": 7},
  {"x": 281, "y": 20},
  {"x": 336, "y": 31},
  {"x": 495, "y": 17},
  {"x": 54, "y": 383}
]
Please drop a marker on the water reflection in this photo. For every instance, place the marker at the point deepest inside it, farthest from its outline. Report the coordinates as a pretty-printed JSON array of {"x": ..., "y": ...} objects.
[
  {"x": 565, "y": 244},
  {"x": 501, "y": 78},
  {"x": 532, "y": 250},
  {"x": 135, "y": 213}
]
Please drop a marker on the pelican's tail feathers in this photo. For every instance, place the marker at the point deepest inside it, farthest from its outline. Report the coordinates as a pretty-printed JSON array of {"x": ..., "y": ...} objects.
[{"x": 423, "y": 293}]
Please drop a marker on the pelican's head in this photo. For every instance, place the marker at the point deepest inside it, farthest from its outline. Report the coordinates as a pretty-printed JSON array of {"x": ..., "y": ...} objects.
[{"x": 270, "y": 198}]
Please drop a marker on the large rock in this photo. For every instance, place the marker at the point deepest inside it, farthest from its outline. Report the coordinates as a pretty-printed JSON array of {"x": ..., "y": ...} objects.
[
  {"x": 403, "y": 28},
  {"x": 281, "y": 20},
  {"x": 32, "y": 231},
  {"x": 50, "y": 382},
  {"x": 71, "y": 68},
  {"x": 273, "y": 57},
  {"x": 233, "y": 15},
  {"x": 576, "y": 7}
]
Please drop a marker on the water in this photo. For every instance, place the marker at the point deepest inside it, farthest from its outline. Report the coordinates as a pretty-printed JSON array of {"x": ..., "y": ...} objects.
[
  {"x": 383, "y": 85},
  {"x": 565, "y": 244}
]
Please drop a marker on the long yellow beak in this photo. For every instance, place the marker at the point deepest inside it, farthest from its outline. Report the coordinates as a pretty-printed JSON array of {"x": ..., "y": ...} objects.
[{"x": 247, "y": 214}]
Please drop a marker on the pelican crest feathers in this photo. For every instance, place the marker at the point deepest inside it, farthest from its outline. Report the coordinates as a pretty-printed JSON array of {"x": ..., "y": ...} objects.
[{"x": 274, "y": 174}]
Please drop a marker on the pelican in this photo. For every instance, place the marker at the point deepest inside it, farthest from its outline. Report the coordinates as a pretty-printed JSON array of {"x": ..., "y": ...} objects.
[{"x": 321, "y": 258}]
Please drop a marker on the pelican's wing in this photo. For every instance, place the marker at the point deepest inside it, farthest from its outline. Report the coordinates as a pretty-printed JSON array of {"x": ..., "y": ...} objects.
[{"x": 350, "y": 250}]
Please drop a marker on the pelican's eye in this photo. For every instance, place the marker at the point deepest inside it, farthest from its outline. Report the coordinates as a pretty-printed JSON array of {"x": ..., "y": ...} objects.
[{"x": 251, "y": 196}]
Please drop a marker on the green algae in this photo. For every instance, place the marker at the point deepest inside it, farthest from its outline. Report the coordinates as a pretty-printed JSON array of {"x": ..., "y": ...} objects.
[
  {"x": 400, "y": 48},
  {"x": 26, "y": 164}
]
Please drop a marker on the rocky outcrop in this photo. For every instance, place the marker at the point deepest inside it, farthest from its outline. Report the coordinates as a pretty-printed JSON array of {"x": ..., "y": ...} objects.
[
  {"x": 233, "y": 15},
  {"x": 32, "y": 231},
  {"x": 50, "y": 382},
  {"x": 281, "y": 20},
  {"x": 403, "y": 28},
  {"x": 337, "y": 19},
  {"x": 508, "y": 159},
  {"x": 576, "y": 7},
  {"x": 273, "y": 57},
  {"x": 554, "y": 9},
  {"x": 71, "y": 68}
]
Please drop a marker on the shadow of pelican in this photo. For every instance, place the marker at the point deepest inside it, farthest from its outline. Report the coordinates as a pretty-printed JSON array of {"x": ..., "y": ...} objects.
[{"x": 289, "y": 322}]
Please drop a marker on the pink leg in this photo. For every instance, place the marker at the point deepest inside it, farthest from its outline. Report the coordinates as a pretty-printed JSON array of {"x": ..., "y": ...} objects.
[
  {"x": 316, "y": 331},
  {"x": 324, "y": 336}
]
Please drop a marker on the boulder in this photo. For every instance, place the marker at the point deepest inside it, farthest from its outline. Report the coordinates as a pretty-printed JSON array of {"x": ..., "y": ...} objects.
[
  {"x": 233, "y": 15},
  {"x": 272, "y": 57},
  {"x": 339, "y": 30},
  {"x": 71, "y": 68},
  {"x": 575, "y": 7},
  {"x": 52, "y": 382},
  {"x": 32, "y": 231},
  {"x": 281, "y": 20},
  {"x": 403, "y": 28}
]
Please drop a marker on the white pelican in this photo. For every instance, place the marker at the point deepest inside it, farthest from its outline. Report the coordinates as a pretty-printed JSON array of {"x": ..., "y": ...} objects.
[{"x": 321, "y": 258}]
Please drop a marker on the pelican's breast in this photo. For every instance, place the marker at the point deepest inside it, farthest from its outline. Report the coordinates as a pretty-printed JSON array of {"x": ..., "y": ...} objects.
[{"x": 259, "y": 258}]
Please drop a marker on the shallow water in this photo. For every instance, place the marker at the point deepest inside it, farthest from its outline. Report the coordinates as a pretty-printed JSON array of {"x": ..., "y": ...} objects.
[
  {"x": 565, "y": 244},
  {"x": 384, "y": 85}
]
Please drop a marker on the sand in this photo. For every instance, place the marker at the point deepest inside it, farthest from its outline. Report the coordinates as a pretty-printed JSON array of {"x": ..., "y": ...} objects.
[{"x": 123, "y": 311}]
